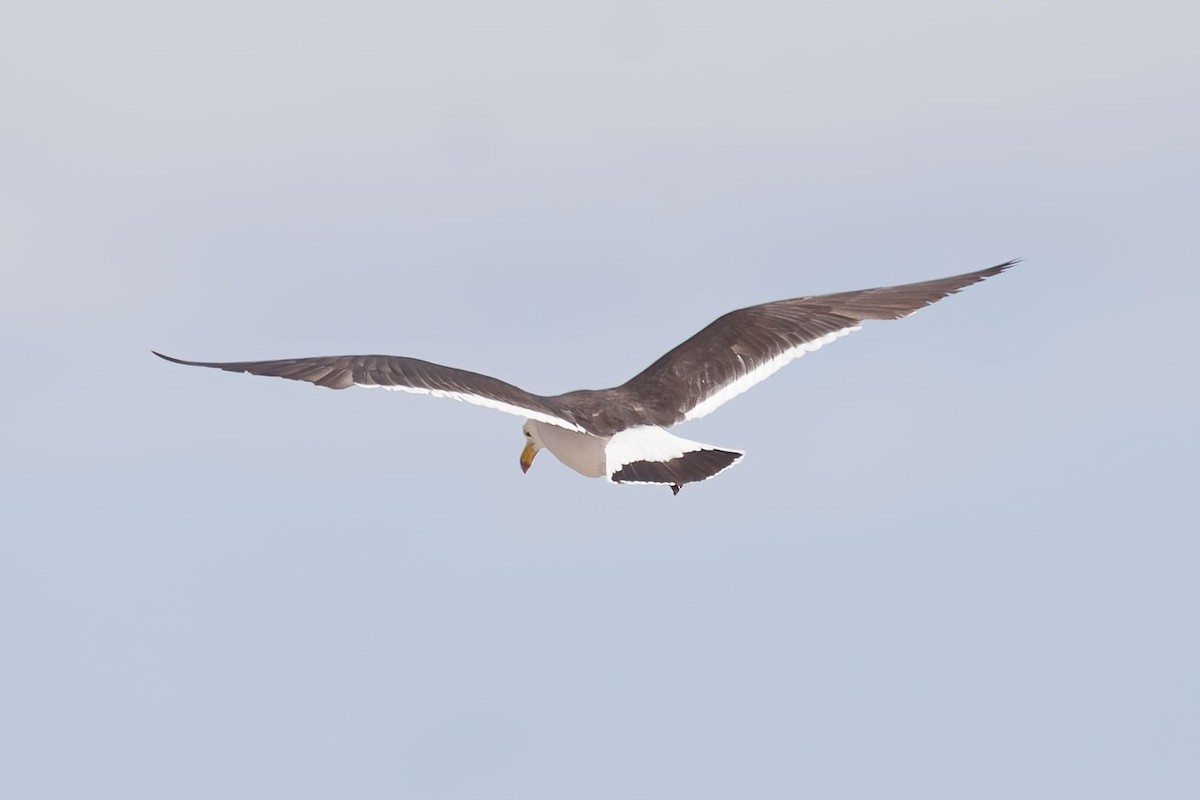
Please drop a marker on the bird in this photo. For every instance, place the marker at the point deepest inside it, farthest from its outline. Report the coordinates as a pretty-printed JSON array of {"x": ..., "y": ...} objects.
[{"x": 621, "y": 433}]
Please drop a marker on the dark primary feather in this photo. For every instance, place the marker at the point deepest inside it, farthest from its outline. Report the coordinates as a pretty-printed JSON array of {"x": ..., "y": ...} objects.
[
  {"x": 663, "y": 393},
  {"x": 340, "y": 372},
  {"x": 742, "y": 340}
]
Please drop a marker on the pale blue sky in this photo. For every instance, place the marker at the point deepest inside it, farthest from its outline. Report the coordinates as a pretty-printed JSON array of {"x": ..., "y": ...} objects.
[{"x": 958, "y": 561}]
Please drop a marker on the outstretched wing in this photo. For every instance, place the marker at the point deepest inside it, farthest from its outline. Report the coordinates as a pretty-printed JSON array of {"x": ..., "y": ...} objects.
[
  {"x": 747, "y": 346},
  {"x": 405, "y": 375}
]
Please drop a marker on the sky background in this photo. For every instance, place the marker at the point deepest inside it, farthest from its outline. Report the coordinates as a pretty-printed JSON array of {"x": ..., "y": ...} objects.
[{"x": 959, "y": 559}]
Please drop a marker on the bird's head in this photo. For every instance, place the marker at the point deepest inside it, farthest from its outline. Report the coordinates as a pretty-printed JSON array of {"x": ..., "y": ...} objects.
[{"x": 533, "y": 443}]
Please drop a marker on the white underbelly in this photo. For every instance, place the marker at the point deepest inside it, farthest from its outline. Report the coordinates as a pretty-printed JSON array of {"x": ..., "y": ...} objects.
[{"x": 581, "y": 452}]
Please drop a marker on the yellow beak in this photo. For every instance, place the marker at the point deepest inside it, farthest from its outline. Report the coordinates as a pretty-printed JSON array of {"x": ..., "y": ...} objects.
[{"x": 527, "y": 456}]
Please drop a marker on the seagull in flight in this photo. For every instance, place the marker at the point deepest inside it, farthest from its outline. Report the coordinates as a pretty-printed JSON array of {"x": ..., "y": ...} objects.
[{"x": 621, "y": 433}]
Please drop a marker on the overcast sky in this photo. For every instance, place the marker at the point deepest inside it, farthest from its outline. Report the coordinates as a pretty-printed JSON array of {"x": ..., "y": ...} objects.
[{"x": 959, "y": 559}]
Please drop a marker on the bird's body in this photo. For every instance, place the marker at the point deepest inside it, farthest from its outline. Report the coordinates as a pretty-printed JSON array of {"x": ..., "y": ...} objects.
[
  {"x": 641, "y": 454},
  {"x": 620, "y": 433}
]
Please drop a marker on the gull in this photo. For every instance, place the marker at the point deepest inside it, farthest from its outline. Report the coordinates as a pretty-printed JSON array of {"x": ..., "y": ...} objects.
[{"x": 621, "y": 433}]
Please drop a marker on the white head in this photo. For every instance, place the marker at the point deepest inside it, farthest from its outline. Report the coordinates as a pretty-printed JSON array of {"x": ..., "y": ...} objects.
[{"x": 533, "y": 443}]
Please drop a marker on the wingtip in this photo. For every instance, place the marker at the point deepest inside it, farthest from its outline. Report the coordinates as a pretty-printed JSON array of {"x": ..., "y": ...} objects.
[
  {"x": 975, "y": 277},
  {"x": 168, "y": 358}
]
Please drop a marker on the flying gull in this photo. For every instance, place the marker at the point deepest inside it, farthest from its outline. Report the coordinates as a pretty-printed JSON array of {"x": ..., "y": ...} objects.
[{"x": 621, "y": 433}]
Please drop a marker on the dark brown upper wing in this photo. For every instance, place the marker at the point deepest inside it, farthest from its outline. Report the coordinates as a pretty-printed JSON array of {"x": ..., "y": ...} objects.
[
  {"x": 403, "y": 374},
  {"x": 746, "y": 346}
]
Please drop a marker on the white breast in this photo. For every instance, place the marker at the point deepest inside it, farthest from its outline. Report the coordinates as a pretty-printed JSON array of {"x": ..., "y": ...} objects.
[{"x": 581, "y": 452}]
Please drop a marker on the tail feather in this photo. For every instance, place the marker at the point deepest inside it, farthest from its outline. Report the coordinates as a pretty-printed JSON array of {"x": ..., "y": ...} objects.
[
  {"x": 688, "y": 468},
  {"x": 651, "y": 455}
]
